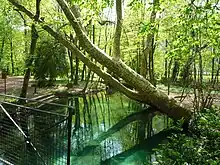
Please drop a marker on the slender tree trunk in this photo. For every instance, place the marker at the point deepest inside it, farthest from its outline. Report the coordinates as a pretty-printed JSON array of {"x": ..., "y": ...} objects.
[
  {"x": 34, "y": 37},
  {"x": 150, "y": 46},
  {"x": 175, "y": 71},
  {"x": 165, "y": 64},
  {"x": 76, "y": 71},
  {"x": 185, "y": 74},
  {"x": 138, "y": 59},
  {"x": 151, "y": 63},
  {"x": 83, "y": 72},
  {"x": 196, "y": 103},
  {"x": 89, "y": 72},
  {"x": 144, "y": 62},
  {"x": 213, "y": 69},
  {"x": 118, "y": 30},
  {"x": 2, "y": 48},
  {"x": 12, "y": 57},
  {"x": 71, "y": 61},
  {"x": 165, "y": 69},
  {"x": 168, "y": 76},
  {"x": 70, "y": 54},
  {"x": 200, "y": 87}
]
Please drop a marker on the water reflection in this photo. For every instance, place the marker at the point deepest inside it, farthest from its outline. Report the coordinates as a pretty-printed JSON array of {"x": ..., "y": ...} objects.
[
  {"x": 109, "y": 125},
  {"x": 106, "y": 129}
]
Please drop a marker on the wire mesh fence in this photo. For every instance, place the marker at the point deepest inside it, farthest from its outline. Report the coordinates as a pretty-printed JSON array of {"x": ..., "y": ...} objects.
[
  {"x": 42, "y": 133},
  {"x": 30, "y": 136}
]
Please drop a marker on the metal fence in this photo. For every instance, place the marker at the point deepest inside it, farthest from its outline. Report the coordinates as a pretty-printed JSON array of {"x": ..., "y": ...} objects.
[
  {"x": 42, "y": 133},
  {"x": 32, "y": 136}
]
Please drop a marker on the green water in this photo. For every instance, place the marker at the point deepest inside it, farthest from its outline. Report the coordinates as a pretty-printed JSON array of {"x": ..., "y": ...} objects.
[
  {"x": 104, "y": 131},
  {"x": 95, "y": 114}
]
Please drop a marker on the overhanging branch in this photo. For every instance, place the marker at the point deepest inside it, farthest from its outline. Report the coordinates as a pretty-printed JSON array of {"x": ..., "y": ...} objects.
[
  {"x": 146, "y": 92},
  {"x": 107, "y": 77}
]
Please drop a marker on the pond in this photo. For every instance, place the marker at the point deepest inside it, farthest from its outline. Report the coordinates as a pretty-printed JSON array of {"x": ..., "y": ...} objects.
[
  {"x": 105, "y": 129},
  {"x": 95, "y": 114}
]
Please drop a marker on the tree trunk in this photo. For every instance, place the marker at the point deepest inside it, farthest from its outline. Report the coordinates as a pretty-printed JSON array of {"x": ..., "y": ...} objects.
[
  {"x": 34, "y": 37},
  {"x": 175, "y": 71},
  {"x": 2, "y": 49},
  {"x": 12, "y": 57},
  {"x": 70, "y": 54},
  {"x": 213, "y": 69},
  {"x": 148, "y": 52},
  {"x": 76, "y": 71},
  {"x": 185, "y": 74},
  {"x": 142, "y": 90},
  {"x": 117, "y": 36},
  {"x": 166, "y": 65},
  {"x": 83, "y": 72},
  {"x": 89, "y": 71}
]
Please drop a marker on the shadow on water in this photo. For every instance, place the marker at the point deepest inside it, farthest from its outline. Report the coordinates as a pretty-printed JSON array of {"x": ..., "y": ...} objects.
[
  {"x": 110, "y": 128},
  {"x": 105, "y": 129}
]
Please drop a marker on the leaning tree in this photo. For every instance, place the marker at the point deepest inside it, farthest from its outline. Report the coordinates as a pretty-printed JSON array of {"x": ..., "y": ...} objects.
[{"x": 140, "y": 88}]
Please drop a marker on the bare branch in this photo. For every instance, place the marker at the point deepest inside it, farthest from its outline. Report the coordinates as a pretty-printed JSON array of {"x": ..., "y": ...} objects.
[
  {"x": 22, "y": 8},
  {"x": 22, "y": 17}
]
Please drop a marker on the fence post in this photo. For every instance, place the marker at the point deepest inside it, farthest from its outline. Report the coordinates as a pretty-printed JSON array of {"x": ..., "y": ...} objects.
[
  {"x": 4, "y": 76},
  {"x": 69, "y": 132}
]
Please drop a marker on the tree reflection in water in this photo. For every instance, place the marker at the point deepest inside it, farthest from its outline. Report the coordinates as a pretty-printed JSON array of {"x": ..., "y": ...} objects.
[
  {"x": 110, "y": 125},
  {"x": 106, "y": 129}
]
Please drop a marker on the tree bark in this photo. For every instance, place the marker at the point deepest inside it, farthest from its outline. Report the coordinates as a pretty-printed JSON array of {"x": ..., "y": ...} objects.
[
  {"x": 117, "y": 36},
  {"x": 213, "y": 69},
  {"x": 34, "y": 37},
  {"x": 76, "y": 71},
  {"x": 142, "y": 91},
  {"x": 83, "y": 72},
  {"x": 166, "y": 64},
  {"x": 12, "y": 57},
  {"x": 148, "y": 52},
  {"x": 2, "y": 48},
  {"x": 70, "y": 54},
  {"x": 175, "y": 70}
]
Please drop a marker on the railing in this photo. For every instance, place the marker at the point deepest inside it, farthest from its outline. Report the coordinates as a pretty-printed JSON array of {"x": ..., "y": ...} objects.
[
  {"x": 34, "y": 136},
  {"x": 38, "y": 132}
]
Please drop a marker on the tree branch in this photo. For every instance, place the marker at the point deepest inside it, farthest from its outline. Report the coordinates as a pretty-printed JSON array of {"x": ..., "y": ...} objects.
[
  {"x": 22, "y": 8},
  {"x": 22, "y": 17},
  {"x": 147, "y": 93},
  {"x": 37, "y": 15},
  {"x": 107, "y": 77}
]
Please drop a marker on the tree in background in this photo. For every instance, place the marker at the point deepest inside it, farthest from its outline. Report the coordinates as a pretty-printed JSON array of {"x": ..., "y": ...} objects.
[{"x": 50, "y": 62}]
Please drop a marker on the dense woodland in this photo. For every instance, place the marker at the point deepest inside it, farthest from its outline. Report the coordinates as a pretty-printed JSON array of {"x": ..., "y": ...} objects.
[{"x": 128, "y": 46}]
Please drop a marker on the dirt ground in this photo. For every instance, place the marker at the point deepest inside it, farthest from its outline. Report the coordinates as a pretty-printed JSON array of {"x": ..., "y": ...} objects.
[
  {"x": 11, "y": 82},
  {"x": 14, "y": 84}
]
